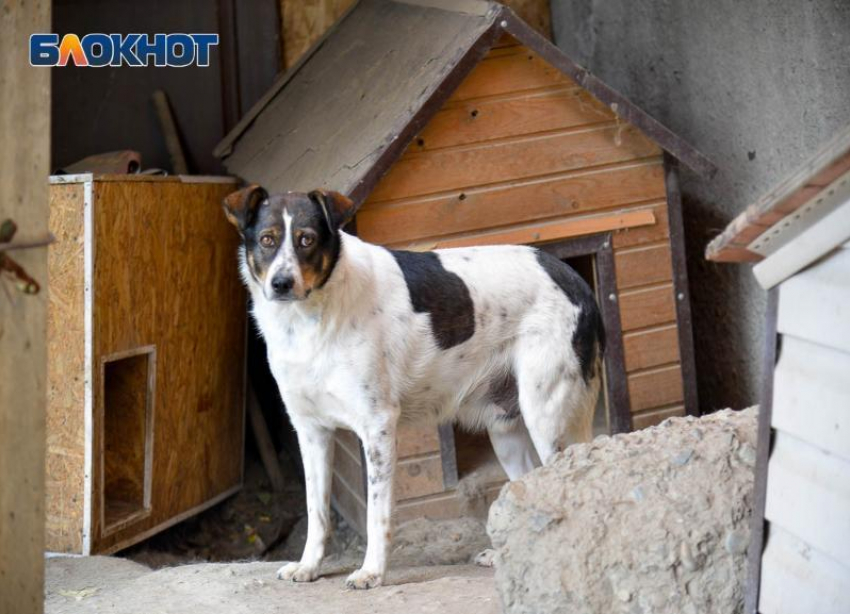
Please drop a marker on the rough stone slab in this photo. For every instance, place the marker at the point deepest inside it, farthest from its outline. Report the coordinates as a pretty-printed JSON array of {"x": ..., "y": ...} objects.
[{"x": 652, "y": 521}]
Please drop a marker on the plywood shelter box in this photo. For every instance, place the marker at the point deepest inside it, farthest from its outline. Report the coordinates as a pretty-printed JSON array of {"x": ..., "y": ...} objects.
[
  {"x": 453, "y": 123},
  {"x": 146, "y": 337},
  {"x": 799, "y": 234}
]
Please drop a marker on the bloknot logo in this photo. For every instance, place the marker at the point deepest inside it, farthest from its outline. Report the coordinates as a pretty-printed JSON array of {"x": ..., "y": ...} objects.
[{"x": 99, "y": 50}]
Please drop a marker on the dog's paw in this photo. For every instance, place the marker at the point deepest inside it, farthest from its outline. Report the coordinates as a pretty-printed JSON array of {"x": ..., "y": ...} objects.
[
  {"x": 298, "y": 572},
  {"x": 486, "y": 558},
  {"x": 363, "y": 579}
]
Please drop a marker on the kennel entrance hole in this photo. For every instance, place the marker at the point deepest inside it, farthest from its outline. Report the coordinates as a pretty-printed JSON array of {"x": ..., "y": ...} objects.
[{"x": 128, "y": 383}]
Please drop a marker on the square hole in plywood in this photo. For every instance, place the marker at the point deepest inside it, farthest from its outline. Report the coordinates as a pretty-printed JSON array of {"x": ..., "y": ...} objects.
[{"x": 128, "y": 393}]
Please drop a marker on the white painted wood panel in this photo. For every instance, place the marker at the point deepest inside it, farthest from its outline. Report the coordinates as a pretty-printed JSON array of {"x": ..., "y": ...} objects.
[
  {"x": 812, "y": 395},
  {"x": 815, "y": 304},
  {"x": 808, "y": 494},
  {"x": 797, "y": 579},
  {"x": 813, "y": 243}
]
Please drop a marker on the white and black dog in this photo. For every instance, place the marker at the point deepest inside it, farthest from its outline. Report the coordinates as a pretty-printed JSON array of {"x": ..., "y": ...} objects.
[{"x": 504, "y": 338}]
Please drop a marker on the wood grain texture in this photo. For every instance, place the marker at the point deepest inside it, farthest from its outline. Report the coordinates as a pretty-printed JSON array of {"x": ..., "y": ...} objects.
[
  {"x": 416, "y": 440},
  {"x": 645, "y": 419},
  {"x": 349, "y": 504},
  {"x": 515, "y": 113},
  {"x": 647, "y": 307},
  {"x": 808, "y": 496},
  {"x": 814, "y": 303},
  {"x": 644, "y": 235},
  {"x": 797, "y": 578},
  {"x": 643, "y": 266},
  {"x": 129, "y": 386},
  {"x": 65, "y": 372},
  {"x": 24, "y": 166},
  {"x": 535, "y": 13},
  {"x": 304, "y": 22},
  {"x": 655, "y": 388},
  {"x": 811, "y": 395},
  {"x": 164, "y": 276},
  {"x": 533, "y": 156},
  {"x": 522, "y": 201},
  {"x": 512, "y": 69},
  {"x": 541, "y": 233},
  {"x": 347, "y": 468},
  {"x": 417, "y": 477},
  {"x": 652, "y": 347}
]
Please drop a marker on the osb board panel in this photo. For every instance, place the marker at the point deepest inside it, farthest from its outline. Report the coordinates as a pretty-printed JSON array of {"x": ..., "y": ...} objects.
[
  {"x": 656, "y": 388},
  {"x": 651, "y": 348},
  {"x": 529, "y": 156},
  {"x": 573, "y": 193},
  {"x": 647, "y": 307},
  {"x": 165, "y": 276},
  {"x": 643, "y": 266},
  {"x": 65, "y": 371},
  {"x": 475, "y": 121},
  {"x": 127, "y": 404},
  {"x": 651, "y": 418},
  {"x": 418, "y": 477}
]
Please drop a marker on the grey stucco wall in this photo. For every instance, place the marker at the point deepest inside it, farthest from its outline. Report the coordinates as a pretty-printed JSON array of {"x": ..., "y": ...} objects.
[{"x": 757, "y": 86}]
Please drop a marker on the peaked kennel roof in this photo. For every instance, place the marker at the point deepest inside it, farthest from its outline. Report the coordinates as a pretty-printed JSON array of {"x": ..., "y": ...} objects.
[{"x": 346, "y": 111}]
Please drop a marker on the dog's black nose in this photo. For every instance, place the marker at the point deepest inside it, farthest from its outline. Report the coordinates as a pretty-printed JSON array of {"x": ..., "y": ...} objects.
[{"x": 282, "y": 284}]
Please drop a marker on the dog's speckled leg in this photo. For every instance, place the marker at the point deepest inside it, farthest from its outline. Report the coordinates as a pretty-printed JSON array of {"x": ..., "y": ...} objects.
[
  {"x": 316, "y": 445},
  {"x": 379, "y": 445}
]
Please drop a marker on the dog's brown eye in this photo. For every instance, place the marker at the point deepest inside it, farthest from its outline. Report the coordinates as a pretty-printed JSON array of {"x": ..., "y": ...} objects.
[
  {"x": 267, "y": 241},
  {"x": 306, "y": 240}
]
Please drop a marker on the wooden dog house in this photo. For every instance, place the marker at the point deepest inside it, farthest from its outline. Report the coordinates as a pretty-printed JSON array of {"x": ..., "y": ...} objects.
[
  {"x": 453, "y": 123},
  {"x": 799, "y": 236},
  {"x": 146, "y": 337}
]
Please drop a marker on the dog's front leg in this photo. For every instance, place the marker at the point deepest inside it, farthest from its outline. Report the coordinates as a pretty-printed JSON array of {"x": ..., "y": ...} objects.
[
  {"x": 316, "y": 443},
  {"x": 380, "y": 449}
]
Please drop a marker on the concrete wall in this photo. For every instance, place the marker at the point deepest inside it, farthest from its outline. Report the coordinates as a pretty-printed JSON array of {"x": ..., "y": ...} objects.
[{"x": 756, "y": 85}]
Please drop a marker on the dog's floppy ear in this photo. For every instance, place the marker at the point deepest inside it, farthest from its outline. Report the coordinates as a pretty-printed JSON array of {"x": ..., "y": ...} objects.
[
  {"x": 241, "y": 206},
  {"x": 338, "y": 209}
]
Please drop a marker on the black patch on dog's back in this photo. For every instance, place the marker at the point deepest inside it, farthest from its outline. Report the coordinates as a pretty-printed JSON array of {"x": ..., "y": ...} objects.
[
  {"x": 589, "y": 328},
  {"x": 439, "y": 293}
]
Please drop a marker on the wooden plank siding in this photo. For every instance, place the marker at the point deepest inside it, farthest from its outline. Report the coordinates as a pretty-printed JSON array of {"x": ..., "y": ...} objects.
[
  {"x": 806, "y": 562},
  {"x": 796, "y": 578}
]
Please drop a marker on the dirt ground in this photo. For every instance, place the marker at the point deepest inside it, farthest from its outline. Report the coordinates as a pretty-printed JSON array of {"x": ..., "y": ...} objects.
[
  {"x": 119, "y": 586},
  {"x": 225, "y": 559}
]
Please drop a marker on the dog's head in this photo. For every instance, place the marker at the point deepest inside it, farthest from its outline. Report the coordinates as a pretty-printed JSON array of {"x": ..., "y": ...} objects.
[{"x": 291, "y": 240}]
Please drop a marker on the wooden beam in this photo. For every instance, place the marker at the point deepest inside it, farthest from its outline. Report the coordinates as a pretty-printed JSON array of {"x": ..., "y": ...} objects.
[
  {"x": 24, "y": 166},
  {"x": 548, "y": 232}
]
